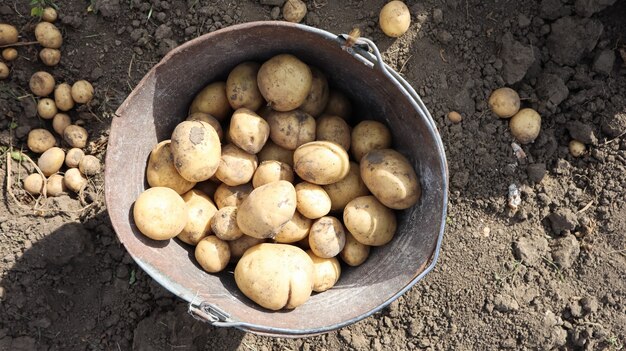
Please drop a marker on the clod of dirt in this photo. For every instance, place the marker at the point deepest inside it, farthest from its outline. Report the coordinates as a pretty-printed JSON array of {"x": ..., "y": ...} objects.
[
  {"x": 275, "y": 13},
  {"x": 536, "y": 172},
  {"x": 505, "y": 303},
  {"x": 516, "y": 57},
  {"x": 565, "y": 251},
  {"x": 551, "y": 89},
  {"x": 589, "y": 304},
  {"x": 24, "y": 343},
  {"x": 603, "y": 62},
  {"x": 437, "y": 15},
  {"x": 571, "y": 38},
  {"x": 530, "y": 250},
  {"x": 107, "y": 8},
  {"x": 586, "y": 8},
  {"x": 614, "y": 126},
  {"x": 563, "y": 220},
  {"x": 273, "y": 2},
  {"x": 163, "y": 32},
  {"x": 555, "y": 335},
  {"x": 582, "y": 132},
  {"x": 553, "y": 9}
]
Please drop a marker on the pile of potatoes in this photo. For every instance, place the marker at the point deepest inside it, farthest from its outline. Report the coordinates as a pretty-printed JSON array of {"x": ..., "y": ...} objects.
[{"x": 267, "y": 173}]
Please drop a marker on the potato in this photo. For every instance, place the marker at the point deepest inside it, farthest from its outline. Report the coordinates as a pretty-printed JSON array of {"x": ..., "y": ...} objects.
[
  {"x": 248, "y": 130},
  {"x": 33, "y": 184},
  {"x": 354, "y": 253},
  {"x": 73, "y": 157},
  {"x": 55, "y": 186},
  {"x": 208, "y": 187},
  {"x": 294, "y": 11},
  {"x": 267, "y": 209},
  {"x": 291, "y": 129},
  {"x": 8, "y": 34},
  {"x": 241, "y": 87},
  {"x": 327, "y": 237},
  {"x": 75, "y": 136},
  {"x": 48, "y": 35},
  {"x": 391, "y": 178},
  {"x": 338, "y": 105},
  {"x": 40, "y": 140},
  {"x": 236, "y": 166},
  {"x": 272, "y": 171},
  {"x": 51, "y": 161},
  {"x": 311, "y": 200},
  {"x": 224, "y": 224},
  {"x": 9, "y": 54},
  {"x": 205, "y": 117},
  {"x": 161, "y": 171},
  {"x": 41, "y": 83},
  {"x": 239, "y": 246},
  {"x": 159, "y": 213},
  {"x": 46, "y": 108},
  {"x": 317, "y": 99},
  {"x": 321, "y": 162},
  {"x": 275, "y": 276},
  {"x": 60, "y": 121},
  {"x": 49, "y": 14},
  {"x": 196, "y": 150},
  {"x": 212, "y": 253},
  {"x": 347, "y": 189},
  {"x": 82, "y": 92},
  {"x": 50, "y": 57},
  {"x": 394, "y": 19},
  {"x": 525, "y": 125},
  {"x": 273, "y": 152},
  {"x": 231, "y": 195},
  {"x": 368, "y": 136},
  {"x": 326, "y": 272},
  {"x": 4, "y": 70},
  {"x": 284, "y": 82},
  {"x": 63, "y": 97},
  {"x": 576, "y": 148},
  {"x": 89, "y": 165},
  {"x": 504, "y": 102},
  {"x": 212, "y": 100},
  {"x": 335, "y": 129},
  {"x": 455, "y": 117},
  {"x": 74, "y": 180},
  {"x": 296, "y": 229},
  {"x": 369, "y": 221},
  {"x": 200, "y": 212}
]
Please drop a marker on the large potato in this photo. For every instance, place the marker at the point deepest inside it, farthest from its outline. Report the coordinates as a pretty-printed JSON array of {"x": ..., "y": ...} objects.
[
  {"x": 63, "y": 97},
  {"x": 200, "y": 211},
  {"x": 390, "y": 177},
  {"x": 231, "y": 195},
  {"x": 504, "y": 102},
  {"x": 212, "y": 100},
  {"x": 284, "y": 82},
  {"x": 354, "y": 253},
  {"x": 51, "y": 161},
  {"x": 248, "y": 130},
  {"x": 291, "y": 129},
  {"x": 273, "y": 152},
  {"x": 327, "y": 237},
  {"x": 40, "y": 140},
  {"x": 525, "y": 125},
  {"x": 321, "y": 162},
  {"x": 162, "y": 172},
  {"x": 272, "y": 171},
  {"x": 239, "y": 246},
  {"x": 160, "y": 213},
  {"x": 224, "y": 224},
  {"x": 212, "y": 254},
  {"x": 317, "y": 99},
  {"x": 369, "y": 221},
  {"x": 312, "y": 201},
  {"x": 368, "y": 136},
  {"x": 394, "y": 18},
  {"x": 205, "y": 117},
  {"x": 347, "y": 189},
  {"x": 242, "y": 89},
  {"x": 275, "y": 276},
  {"x": 267, "y": 209},
  {"x": 338, "y": 105},
  {"x": 196, "y": 150},
  {"x": 48, "y": 35},
  {"x": 326, "y": 272},
  {"x": 296, "y": 229},
  {"x": 75, "y": 136},
  {"x": 236, "y": 166},
  {"x": 41, "y": 83},
  {"x": 335, "y": 129},
  {"x": 294, "y": 10},
  {"x": 8, "y": 34}
]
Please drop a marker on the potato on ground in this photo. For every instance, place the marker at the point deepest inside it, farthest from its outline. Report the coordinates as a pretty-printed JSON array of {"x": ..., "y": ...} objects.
[
  {"x": 40, "y": 140},
  {"x": 369, "y": 221},
  {"x": 60, "y": 121},
  {"x": 205, "y": 117},
  {"x": 200, "y": 211},
  {"x": 33, "y": 184},
  {"x": 394, "y": 18},
  {"x": 162, "y": 172},
  {"x": 196, "y": 150},
  {"x": 56, "y": 185},
  {"x": 273, "y": 152},
  {"x": 50, "y": 57},
  {"x": 63, "y": 97},
  {"x": 576, "y": 148},
  {"x": 74, "y": 180},
  {"x": 8, "y": 34},
  {"x": 46, "y": 108},
  {"x": 73, "y": 157},
  {"x": 41, "y": 83},
  {"x": 311, "y": 200},
  {"x": 82, "y": 92},
  {"x": 48, "y": 35},
  {"x": 296, "y": 229},
  {"x": 291, "y": 129},
  {"x": 9, "y": 54},
  {"x": 294, "y": 10},
  {"x": 160, "y": 213},
  {"x": 212, "y": 100},
  {"x": 75, "y": 136},
  {"x": 49, "y": 15},
  {"x": 224, "y": 224},
  {"x": 240, "y": 245},
  {"x": 51, "y": 161},
  {"x": 317, "y": 99},
  {"x": 354, "y": 253},
  {"x": 284, "y": 82},
  {"x": 335, "y": 129},
  {"x": 525, "y": 125},
  {"x": 272, "y": 171},
  {"x": 4, "y": 70},
  {"x": 326, "y": 272},
  {"x": 368, "y": 136},
  {"x": 327, "y": 237},
  {"x": 89, "y": 165},
  {"x": 242, "y": 89},
  {"x": 338, "y": 105},
  {"x": 321, "y": 162},
  {"x": 212, "y": 253},
  {"x": 267, "y": 209},
  {"x": 504, "y": 102},
  {"x": 231, "y": 195},
  {"x": 347, "y": 189},
  {"x": 248, "y": 130},
  {"x": 236, "y": 166}
]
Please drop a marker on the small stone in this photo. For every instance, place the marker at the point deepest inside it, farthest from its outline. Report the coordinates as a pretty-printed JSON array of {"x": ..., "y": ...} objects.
[
  {"x": 455, "y": 117},
  {"x": 552, "y": 89},
  {"x": 604, "y": 61},
  {"x": 22, "y": 131},
  {"x": 523, "y": 21},
  {"x": 275, "y": 13},
  {"x": 530, "y": 250},
  {"x": 615, "y": 125},
  {"x": 582, "y": 132},
  {"x": 163, "y": 32},
  {"x": 517, "y": 59},
  {"x": 444, "y": 36},
  {"x": 536, "y": 172},
  {"x": 562, "y": 220},
  {"x": 30, "y": 107},
  {"x": 575, "y": 310},
  {"x": 279, "y": 3},
  {"x": 96, "y": 73},
  {"x": 505, "y": 303},
  {"x": 437, "y": 15},
  {"x": 565, "y": 251},
  {"x": 589, "y": 304}
]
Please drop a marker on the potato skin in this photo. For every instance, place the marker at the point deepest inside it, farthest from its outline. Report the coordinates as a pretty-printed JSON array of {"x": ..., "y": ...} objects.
[
  {"x": 394, "y": 18},
  {"x": 368, "y": 136},
  {"x": 160, "y": 213},
  {"x": 82, "y": 92},
  {"x": 272, "y": 171},
  {"x": 51, "y": 161},
  {"x": 41, "y": 83},
  {"x": 347, "y": 189},
  {"x": 161, "y": 171},
  {"x": 294, "y": 11},
  {"x": 296, "y": 229},
  {"x": 205, "y": 117},
  {"x": 291, "y": 129},
  {"x": 354, "y": 253},
  {"x": 200, "y": 212},
  {"x": 242, "y": 89},
  {"x": 271, "y": 151},
  {"x": 236, "y": 166},
  {"x": 63, "y": 97},
  {"x": 316, "y": 101},
  {"x": 48, "y": 35},
  {"x": 338, "y": 105},
  {"x": 369, "y": 221},
  {"x": 267, "y": 209},
  {"x": 224, "y": 224},
  {"x": 248, "y": 130},
  {"x": 321, "y": 162},
  {"x": 326, "y": 272},
  {"x": 275, "y": 276},
  {"x": 8, "y": 34},
  {"x": 40, "y": 140},
  {"x": 196, "y": 150},
  {"x": 212, "y": 253},
  {"x": 212, "y": 100},
  {"x": 75, "y": 136},
  {"x": 327, "y": 237},
  {"x": 525, "y": 125},
  {"x": 231, "y": 195},
  {"x": 504, "y": 102},
  {"x": 335, "y": 129},
  {"x": 284, "y": 82},
  {"x": 312, "y": 200}
]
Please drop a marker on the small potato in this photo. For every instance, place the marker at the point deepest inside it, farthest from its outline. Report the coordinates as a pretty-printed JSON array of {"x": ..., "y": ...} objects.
[
  {"x": 159, "y": 213},
  {"x": 354, "y": 253},
  {"x": 82, "y": 92},
  {"x": 327, "y": 237},
  {"x": 391, "y": 178},
  {"x": 89, "y": 165},
  {"x": 236, "y": 166},
  {"x": 335, "y": 129},
  {"x": 60, "y": 121},
  {"x": 321, "y": 162},
  {"x": 317, "y": 99},
  {"x": 48, "y": 35},
  {"x": 75, "y": 136},
  {"x": 326, "y": 272},
  {"x": 73, "y": 157},
  {"x": 267, "y": 209},
  {"x": 63, "y": 97},
  {"x": 231, "y": 195},
  {"x": 284, "y": 82},
  {"x": 273, "y": 152},
  {"x": 296, "y": 229},
  {"x": 9, "y": 54},
  {"x": 368, "y": 136},
  {"x": 196, "y": 150},
  {"x": 272, "y": 171},
  {"x": 239, "y": 246},
  {"x": 41, "y": 83},
  {"x": 347, "y": 189},
  {"x": 50, "y": 57},
  {"x": 208, "y": 187},
  {"x": 8, "y": 34},
  {"x": 294, "y": 11},
  {"x": 46, "y": 108},
  {"x": 504, "y": 102},
  {"x": 161, "y": 171},
  {"x": 74, "y": 180},
  {"x": 224, "y": 224},
  {"x": 248, "y": 130},
  {"x": 213, "y": 254},
  {"x": 40, "y": 140},
  {"x": 311, "y": 200},
  {"x": 369, "y": 221},
  {"x": 200, "y": 212},
  {"x": 212, "y": 100},
  {"x": 338, "y": 105},
  {"x": 33, "y": 184},
  {"x": 275, "y": 276},
  {"x": 455, "y": 117},
  {"x": 51, "y": 161},
  {"x": 55, "y": 186},
  {"x": 49, "y": 14},
  {"x": 242, "y": 89},
  {"x": 4, "y": 70},
  {"x": 205, "y": 117},
  {"x": 525, "y": 125},
  {"x": 291, "y": 129},
  {"x": 576, "y": 148},
  {"x": 394, "y": 19}
]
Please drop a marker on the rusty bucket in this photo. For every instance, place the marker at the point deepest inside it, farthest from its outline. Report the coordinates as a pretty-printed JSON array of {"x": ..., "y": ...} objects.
[{"x": 161, "y": 100}]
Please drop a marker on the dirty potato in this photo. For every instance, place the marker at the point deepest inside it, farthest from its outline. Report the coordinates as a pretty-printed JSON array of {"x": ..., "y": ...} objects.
[
  {"x": 242, "y": 89},
  {"x": 231, "y": 195},
  {"x": 236, "y": 166},
  {"x": 63, "y": 97},
  {"x": 338, "y": 105},
  {"x": 272, "y": 171},
  {"x": 51, "y": 161},
  {"x": 75, "y": 136},
  {"x": 316, "y": 101},
  {"x": 296, "y": 229},
  {"x": 327, "y": 237},
  {"x": 200, "y": 212},
  {"x": 321, "y": 162},
  {"x": 267, "y": 209},
  {"x": 312, "y": 201},
  {"x": 40, "y": 140},
  {"x": 273, "y": 152},
  {"x": 335, "y": 129},
  {"x": 196, "y": 150},
  {"x": 212, "y": 100},
  {"x": 326, "y": 272},
  {"x": 284, "y": 82},
  {"x": 41, "y": 83},
  {"x": 48, "y": 35},
  {"x": 368, "y": 136},
  {"x": 205, "y": 117},
  {"x": 291, "y": 129},
  {"x": 248, "y": 130},
  {"x": 159, "y": 213},
  {"x": 212, "y": 253},
  {"x": 369, "y": 221},
  {"x": 224, "y": 224}
]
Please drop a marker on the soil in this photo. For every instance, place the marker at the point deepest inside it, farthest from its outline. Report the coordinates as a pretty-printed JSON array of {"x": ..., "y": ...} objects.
[{"x": 551, "y": 275}]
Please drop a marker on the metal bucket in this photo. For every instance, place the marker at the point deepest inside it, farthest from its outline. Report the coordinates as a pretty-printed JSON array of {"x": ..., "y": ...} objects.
[{"x": 161, "y": 100}]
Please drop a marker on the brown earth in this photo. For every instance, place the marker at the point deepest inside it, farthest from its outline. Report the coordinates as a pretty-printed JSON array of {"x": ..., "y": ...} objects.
[{"x": 551, "y": 275}]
